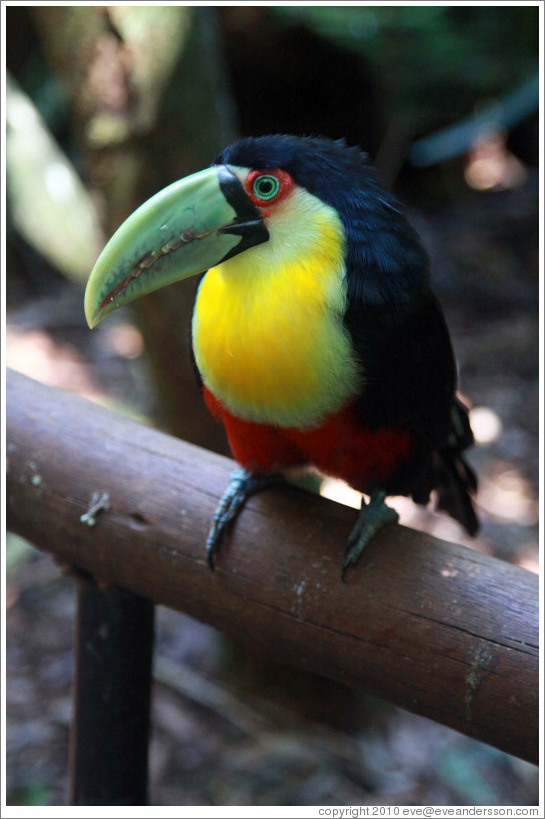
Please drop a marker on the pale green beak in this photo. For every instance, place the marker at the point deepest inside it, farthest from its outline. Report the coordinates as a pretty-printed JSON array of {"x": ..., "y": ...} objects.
[{"x": 183, "y": 230}]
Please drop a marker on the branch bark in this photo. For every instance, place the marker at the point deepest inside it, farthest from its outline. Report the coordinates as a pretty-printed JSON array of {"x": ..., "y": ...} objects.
[{"x": 431, "y": 626}]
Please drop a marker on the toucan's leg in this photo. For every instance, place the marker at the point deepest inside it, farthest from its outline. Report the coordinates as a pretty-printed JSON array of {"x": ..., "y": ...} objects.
[
  {"x": 372, "y": 517},
  {"x": 241, "y": 485}
]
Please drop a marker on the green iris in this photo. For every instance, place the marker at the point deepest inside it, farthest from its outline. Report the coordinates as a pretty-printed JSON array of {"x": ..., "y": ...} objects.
[{"x": 265, "y": 186}]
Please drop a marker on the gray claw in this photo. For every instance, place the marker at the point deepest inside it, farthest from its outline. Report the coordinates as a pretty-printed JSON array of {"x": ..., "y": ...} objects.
[
  {"x": 242, "y": 484},
  {"x": 371, "y": 519}
]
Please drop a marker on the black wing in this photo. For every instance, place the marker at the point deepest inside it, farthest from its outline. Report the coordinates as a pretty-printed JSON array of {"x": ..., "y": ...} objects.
[{"x": 410, "y": 383}]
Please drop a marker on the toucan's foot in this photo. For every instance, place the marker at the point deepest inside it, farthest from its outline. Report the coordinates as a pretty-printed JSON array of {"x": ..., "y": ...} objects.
[
  {"x": 241, "y": 485},
  {"x": 371, "y": 519}
]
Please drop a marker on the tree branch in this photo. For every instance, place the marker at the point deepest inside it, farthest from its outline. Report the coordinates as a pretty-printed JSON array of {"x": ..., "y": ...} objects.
[{"x": 431, "y": 626}]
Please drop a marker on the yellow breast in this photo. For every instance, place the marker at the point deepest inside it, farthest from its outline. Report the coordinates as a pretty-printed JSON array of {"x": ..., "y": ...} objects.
[{"x": 268, "y": 334}]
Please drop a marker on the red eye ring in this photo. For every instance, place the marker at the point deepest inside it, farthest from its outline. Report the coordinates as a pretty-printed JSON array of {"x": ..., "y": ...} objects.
[{"x": 265, "y": 188}]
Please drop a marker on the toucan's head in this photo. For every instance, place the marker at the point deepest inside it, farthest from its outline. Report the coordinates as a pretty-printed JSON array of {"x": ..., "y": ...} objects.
[{"x": 273, "y": 189}]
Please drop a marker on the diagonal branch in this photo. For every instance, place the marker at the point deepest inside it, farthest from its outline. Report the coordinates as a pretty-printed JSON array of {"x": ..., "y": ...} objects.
[{"x": 431, "y": 626}]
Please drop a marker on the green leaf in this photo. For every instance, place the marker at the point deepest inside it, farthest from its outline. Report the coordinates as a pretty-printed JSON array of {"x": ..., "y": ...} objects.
[
  {"x": 48, "y": 203},
  {"x": 18, "y": 551}
]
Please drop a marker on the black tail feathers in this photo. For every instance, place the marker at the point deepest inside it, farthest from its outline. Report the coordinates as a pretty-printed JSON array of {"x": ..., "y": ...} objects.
[
  {"x": 450, "y": 475},
  {"x": 455, "y": 483}
]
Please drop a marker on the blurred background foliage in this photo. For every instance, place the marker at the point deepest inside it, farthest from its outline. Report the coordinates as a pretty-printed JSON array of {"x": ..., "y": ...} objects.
[
  {"x": 146, "y": 94},
  {"x": 435, "y": 63},
  {"x": 106, "y": 105},
  {"x": 380, "y": 76}
]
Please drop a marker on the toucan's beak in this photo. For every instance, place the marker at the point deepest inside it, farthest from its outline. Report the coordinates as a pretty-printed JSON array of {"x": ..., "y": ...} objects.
[{"x": 183, "y": 230}]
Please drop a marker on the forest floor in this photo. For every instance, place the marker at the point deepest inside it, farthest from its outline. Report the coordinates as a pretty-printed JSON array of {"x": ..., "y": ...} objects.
[{"x": 484, "y": 262}]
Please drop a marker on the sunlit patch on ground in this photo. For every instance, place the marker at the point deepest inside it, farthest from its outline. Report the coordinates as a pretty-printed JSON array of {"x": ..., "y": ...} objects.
[
  {"x": 490, "y": 166},
  {"x": 340, "y": 492},
  {"x": 486, "y": 425},
  {"x": 125, "y": 340},
  {"x": 508, "y": 496},
  {"x": 36, "y": 354}
]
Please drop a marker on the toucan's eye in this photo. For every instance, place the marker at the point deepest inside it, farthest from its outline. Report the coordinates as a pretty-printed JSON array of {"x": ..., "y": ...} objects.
[{"x": 265, "y": 186}]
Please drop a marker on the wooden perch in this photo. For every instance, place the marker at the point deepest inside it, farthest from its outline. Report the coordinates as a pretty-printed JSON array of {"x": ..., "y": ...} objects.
[{"x": 433, "y": 627}]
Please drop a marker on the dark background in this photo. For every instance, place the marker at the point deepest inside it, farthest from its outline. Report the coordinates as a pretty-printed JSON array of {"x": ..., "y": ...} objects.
[{"x": 129, "y": 99}]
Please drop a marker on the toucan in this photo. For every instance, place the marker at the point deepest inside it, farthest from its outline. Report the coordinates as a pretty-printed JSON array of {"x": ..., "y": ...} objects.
[{"x": 316, "y": 335}]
